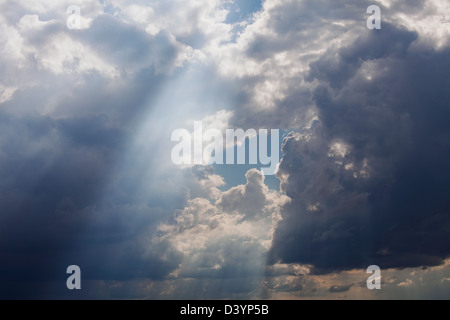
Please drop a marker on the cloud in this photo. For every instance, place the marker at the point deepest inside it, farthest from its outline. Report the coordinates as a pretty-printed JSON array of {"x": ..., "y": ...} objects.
[
  {"x": 406, "y": 283},
  {"x": 339, "y": 288},
  {"x": 227, "y": 239},
  {"x": 422, "y": 283},
  {"x": 364, "y": 163}
]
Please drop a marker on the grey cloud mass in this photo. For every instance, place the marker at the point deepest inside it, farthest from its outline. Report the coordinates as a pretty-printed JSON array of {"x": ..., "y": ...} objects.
[{"x": 388, "y": 190}]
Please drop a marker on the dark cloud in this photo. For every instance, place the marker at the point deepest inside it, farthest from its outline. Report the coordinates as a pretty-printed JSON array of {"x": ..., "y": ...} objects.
[
  {"x": 389, "y": 42},
  {"x": 388, "y": 189},
  {"x": 54, "y": 172},
  {"x": 340, "y": 288}
]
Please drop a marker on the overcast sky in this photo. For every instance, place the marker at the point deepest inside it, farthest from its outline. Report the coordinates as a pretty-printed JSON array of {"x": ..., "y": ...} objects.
[{"x": 86, "y": 177}]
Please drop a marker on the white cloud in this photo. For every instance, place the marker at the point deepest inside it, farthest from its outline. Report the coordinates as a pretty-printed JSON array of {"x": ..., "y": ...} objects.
[
  {"x": 339, "y": 150},
  {"x": 429, "y": 22},
  {"x": 406, "y": 283},
  {"x": 234, "y": 233},
  {"x": 6, "y": 93}
]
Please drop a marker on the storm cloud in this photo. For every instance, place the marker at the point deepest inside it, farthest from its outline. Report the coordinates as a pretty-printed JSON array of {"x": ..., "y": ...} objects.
[{"x": 371, "y": 177}]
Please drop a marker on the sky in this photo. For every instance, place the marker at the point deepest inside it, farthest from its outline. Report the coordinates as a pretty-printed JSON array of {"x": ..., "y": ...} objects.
[{"x": 86, "y": 177}]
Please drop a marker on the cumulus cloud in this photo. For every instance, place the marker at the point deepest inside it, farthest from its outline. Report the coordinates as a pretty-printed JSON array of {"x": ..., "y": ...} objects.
[
  {"x": 406, "y": 283},
  {"x": 228, "y": 238},
  {"x": 374, "y": 183},
  {"x": 358, "y": 179}
]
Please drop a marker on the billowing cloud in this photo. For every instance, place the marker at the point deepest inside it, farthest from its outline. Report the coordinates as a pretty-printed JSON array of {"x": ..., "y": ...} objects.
[
  {"x": 371, "y": 174},
  {"x": 226, "y": 239}
]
